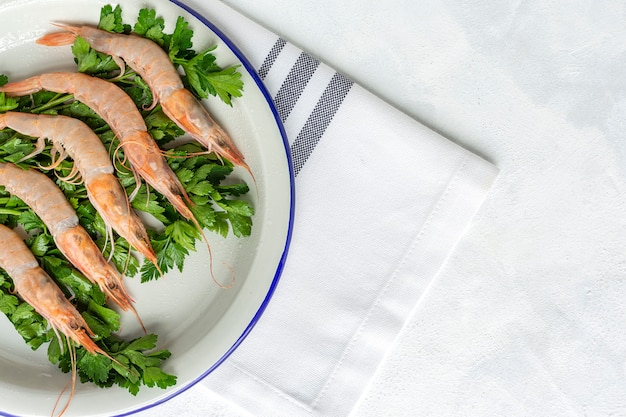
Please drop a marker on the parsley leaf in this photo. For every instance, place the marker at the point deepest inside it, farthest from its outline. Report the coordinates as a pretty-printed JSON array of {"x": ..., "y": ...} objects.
[
  {"x": 161, "y": 127},
  {"x": 206, "y": 78},
  {"x": 155, "y": 376},
  {"x": 7, "y": 103},
  {"x": 94, "y": 368},
  {"x": 8, "y": 303},
  {"x": 150, "y": 26},
  {"x": 183, "y": 233},
  {"x": 179, "y": 42},
  {"x": 90, "y": 61},
  {"x": 111, "y": 20},
  {"x": 146, "y": 342}
]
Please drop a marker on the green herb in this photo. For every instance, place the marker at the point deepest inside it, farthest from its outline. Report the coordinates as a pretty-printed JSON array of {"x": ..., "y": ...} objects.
[
  {"x": 150, "y": 26},
  {"x": 179, "y": 44},
  {"x": 207, "y": 78},
  {"x": 7, "y": 103},
  {"x": 111, "y": 20},
  {"x": 90, "y": 61}
]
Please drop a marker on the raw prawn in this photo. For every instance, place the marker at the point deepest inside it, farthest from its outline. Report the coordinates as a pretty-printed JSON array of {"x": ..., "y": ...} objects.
[
  {"x": 118, "y": 110},
  {"x": 47, "y": 200},
  {"x": 152, "y": 63},
  {"x": 92, "y": 160},
  {"x": 36, "y": 288}
]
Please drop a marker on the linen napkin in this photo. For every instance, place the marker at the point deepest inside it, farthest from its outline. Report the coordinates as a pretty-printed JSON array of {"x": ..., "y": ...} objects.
[{"x": 381, "y": 201}]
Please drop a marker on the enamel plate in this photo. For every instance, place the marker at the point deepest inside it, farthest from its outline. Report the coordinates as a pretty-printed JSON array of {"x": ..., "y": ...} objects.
[{"x": 200, "y": 323}]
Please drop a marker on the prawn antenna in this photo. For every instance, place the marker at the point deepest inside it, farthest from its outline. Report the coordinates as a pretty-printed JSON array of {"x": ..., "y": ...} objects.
[
  {"x": 232, "y": 276},
  {"x": 142, "y": 144},
  {"x": 71, "y": 382},
  {"x": 158, "y": 268},
  {"x": 208, "y": 246},
  {"x": 143, "y": 327}
]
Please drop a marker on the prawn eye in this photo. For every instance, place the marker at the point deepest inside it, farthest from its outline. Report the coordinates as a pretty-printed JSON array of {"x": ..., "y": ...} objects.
[
  {"x": 73, "y": 325},
  {"x": 112, "y": 285}
]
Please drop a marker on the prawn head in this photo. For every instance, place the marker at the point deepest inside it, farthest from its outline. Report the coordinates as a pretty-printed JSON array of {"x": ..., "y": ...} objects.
[
  {"x": 190, "y": 115},
  {"x": 148, "y": 162},
  {"x": 109, "y": 197},
  {"x": 77, "y": 246}
]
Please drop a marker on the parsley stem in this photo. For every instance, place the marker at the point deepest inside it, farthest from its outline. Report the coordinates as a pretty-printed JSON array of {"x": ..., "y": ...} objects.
[
  {"x": 55, "y": 101},
  {"x": 10, "y": 212}
]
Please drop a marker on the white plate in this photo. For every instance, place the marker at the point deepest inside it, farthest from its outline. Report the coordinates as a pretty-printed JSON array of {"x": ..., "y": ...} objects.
[{"x": 198, "y": 322}]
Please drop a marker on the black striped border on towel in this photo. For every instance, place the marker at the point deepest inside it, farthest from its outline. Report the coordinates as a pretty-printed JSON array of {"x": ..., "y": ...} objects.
[{"x": 289, "y": 93}]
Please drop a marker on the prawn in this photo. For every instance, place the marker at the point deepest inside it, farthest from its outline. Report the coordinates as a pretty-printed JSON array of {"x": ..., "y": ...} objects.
[
  {"x": 36, "y": 288},
  {"x": 92, "y": 160},
  {"x": 152, "y": 63},
  {"x": 47, "y": 200},
  {"x": 118, "y": 110}
]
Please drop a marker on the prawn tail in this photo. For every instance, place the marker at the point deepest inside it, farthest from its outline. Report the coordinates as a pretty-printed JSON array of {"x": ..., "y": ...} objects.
[
  {"x": 57, "y": 39},
  {"x": 152, "y": 105},
  {"x": 22, "y": 88},
  {"x": 67, "y": 37}
]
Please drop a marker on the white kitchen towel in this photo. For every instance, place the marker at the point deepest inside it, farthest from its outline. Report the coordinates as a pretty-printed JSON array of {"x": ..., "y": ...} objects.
[{"x": 381, "y": 202}]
